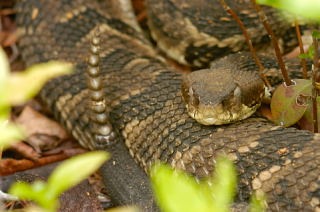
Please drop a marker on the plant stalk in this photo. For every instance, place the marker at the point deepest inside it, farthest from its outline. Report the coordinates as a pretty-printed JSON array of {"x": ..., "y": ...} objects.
[
  {"x": 264, "y": 20},
  {"x": 303, "y": 60},
  {"x": 314, "y": 89},
  {"x": 248, "y": 40}
]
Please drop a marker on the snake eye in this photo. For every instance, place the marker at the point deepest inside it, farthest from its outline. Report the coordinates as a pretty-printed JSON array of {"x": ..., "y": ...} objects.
[
  {"x": 233, "y": 99},
  {"x": 194, "y": 99},
  {"x": 237, "y": 92}
]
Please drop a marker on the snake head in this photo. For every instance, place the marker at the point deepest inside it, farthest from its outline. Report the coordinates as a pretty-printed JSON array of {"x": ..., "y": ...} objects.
[{"x": 222, "y": 94}]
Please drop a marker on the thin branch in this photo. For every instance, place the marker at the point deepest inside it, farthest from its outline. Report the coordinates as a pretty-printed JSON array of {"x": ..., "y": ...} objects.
[
  {"x": 248, "y": 40},
  {"x": 314, "y": 89},
  {"x": 303, "y": 60},
  {"x": 264, "y": 20}
]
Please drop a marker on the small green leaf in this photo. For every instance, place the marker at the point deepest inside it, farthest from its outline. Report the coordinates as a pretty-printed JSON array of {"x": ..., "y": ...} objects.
[
  {"x": 316, "y": 34},
  {"x": 176, "y": 191},
  {"x": 10, "y": 133},
  {"x": 286, "y": 107},
  {"x": 311, "y": 52},
  {"x": 223, "y": 184},
  {"x": 73, "y": 171},
  {"x": 304, "y": 56},
  {"x": 23, "y": 86}
]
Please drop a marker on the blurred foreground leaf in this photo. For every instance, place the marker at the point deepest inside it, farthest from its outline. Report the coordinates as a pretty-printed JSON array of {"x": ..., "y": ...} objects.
[
  {"x": 66, "y": 175},
  {"x": 223, "y": 184},
  {"x": 4, "y": 72},
  {"x": 258, "y": 202},
  {"x": 123, "y": 209},
  {"x": 176, "y": 191},
  {"x": 304, "y": 8},
  {"x": 23, "y": 86},
  {"x": 74, "y": 170},
  {"x": 10, "y": 133}
]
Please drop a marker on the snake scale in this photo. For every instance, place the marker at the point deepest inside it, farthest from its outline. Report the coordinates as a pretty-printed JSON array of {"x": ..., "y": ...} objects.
[{"x": 144, "y": 101}]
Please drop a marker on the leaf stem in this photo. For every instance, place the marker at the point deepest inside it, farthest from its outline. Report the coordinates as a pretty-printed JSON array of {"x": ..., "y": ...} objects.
[
  {"x": 303, "y": 60},
  {"x": 264, "y": 20},
  {"x": 248, "y": 40},
  {"x": 314, "y": 89}
]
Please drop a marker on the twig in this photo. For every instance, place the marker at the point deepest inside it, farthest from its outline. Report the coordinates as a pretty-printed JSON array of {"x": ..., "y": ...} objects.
[
  {"x": 248, "y": 40},
  {"x": 264, "y": 20},
  {"x": 303, "y": 60},
  {"x": 314, "y": 89}
]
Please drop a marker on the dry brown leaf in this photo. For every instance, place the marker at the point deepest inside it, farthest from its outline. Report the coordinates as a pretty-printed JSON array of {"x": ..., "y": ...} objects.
[
  {"x": 10, "y": 39},
  {"x": 67, "y": 147},
  {"x": 25, "y": 150},
  {"x": 265, "y": 111},
  {"x": 42, "y": 133},
  {"x": 9, "y": 166}
]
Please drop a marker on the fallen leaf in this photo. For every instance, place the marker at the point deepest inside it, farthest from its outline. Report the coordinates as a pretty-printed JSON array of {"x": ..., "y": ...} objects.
[
  {"x": 67, "y": 146},
  {"x": 42, "y": 133},
  {"x": 265, "y": 111},
  {"x": 25, "y": 150},
  {"x": 10, "y": 166}
]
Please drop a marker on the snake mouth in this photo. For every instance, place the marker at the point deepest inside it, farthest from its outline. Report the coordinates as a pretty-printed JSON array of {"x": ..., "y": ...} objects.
[{"x": 218, "y": 115}]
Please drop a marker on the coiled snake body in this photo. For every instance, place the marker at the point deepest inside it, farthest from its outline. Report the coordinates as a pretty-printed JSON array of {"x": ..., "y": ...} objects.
[{"x": 144, "y": 101}]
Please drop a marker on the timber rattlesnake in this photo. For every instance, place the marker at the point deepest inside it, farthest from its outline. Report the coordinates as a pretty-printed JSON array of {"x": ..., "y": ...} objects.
[{"x": 147, "y": 111}]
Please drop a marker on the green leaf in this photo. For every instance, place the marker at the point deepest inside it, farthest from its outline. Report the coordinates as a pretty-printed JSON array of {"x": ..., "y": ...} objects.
[
  {"x": 23, "y": 86},
  {"x": 4, "y": 72},
  {"x": 258, "y": 202},
  {"x": 223, "y": 184},
  {"x": 286, "y": 105},
  {"x": 23, "y": 190},
  {"x": 66, "y": 175},
  {"x": 10, "y": 133},
  {"x": 123, "y": 209},
  {"x": 304, "y": 56},
  {"x": 311, "y": 52},
  {"x": 35, "y": 192},
  {"x": 73, "y": 171},
  {"x": 176, "y": 191},
  {"x": 304, "y": 8},
  {"x": 316, "y": 34}
]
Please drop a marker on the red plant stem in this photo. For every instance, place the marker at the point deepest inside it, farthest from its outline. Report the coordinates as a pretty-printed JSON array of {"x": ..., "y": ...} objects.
[
  {"x": 248, "y": 40},
  {"x": 303, "y": 60},
  {"x": 314, "y": 89},
  {"x": 264, "y": 20}
]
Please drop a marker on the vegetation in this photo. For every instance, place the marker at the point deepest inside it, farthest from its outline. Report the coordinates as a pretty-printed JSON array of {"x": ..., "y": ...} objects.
[
  {"x": 62, "y": 178},
  {"x": 17, "y": 88},
  {"x": 306, "y": 8},
  {"x": 176, "y": 191}
]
